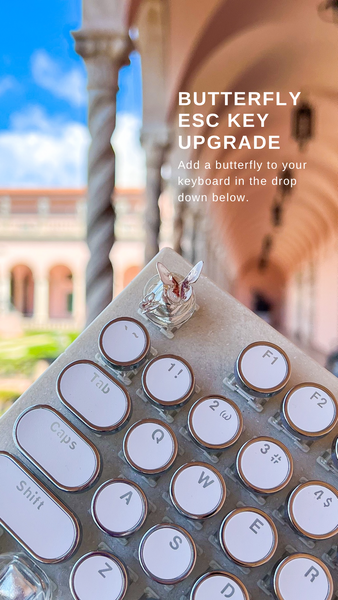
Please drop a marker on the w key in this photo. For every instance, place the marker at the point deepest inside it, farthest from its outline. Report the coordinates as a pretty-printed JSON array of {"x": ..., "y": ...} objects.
[{"x": 34, "y": 516}]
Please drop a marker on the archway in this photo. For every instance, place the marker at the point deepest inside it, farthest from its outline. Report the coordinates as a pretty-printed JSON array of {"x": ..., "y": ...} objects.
[
  {"x": 22, "y": 290},
  {"x": 60, "y": 292}
]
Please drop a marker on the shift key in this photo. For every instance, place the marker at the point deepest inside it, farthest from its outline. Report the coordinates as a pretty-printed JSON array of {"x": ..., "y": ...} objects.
[{"x": 33, "y": 515}]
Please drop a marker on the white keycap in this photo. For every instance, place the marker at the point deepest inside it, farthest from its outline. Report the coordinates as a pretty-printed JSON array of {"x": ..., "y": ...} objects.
[
  {"x": 150, "y": 446},
  {"x": 215, "y": 422},
  {"x": 119, "y": 507},
  {"x": 313, "y": 509},
  {"x": 55, "y": 447},
  {"x": 197, "y": 490},
  {"x": 98, "y": 576},
  {"x": 34, "y": 516},
  {"x": 167, "y": 553},
  {"x": 93, "y": 396},
  {"x": 263, "y": 368},
  {"x": 302, "y": 576},
  {"x": 310, "y": 410},
  {"x": 124, "y": 343},
  {"x": 248, "y": 536},
  {"x": 218, "y": 585},
  {"x": 168, "y": 381},
  {"x": 264, "y": 465}
]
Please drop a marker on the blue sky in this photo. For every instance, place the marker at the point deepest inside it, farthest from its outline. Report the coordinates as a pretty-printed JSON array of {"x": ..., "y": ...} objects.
[{"x": 43, "y": 134}]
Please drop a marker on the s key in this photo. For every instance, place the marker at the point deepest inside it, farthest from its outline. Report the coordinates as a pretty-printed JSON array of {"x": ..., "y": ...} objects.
[{"x": 33, "y": 515}]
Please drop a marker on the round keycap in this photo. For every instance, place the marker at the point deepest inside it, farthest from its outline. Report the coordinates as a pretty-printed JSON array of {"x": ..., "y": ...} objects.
[
  {"x": 215, "y": 422},
  {"x": 168, "y": 381},
  {"x": 150, "y": 446},
  {"x": 98, "y": 575},
  {"x": 310, "y": 410},
  {"x": 302, "y": 576},
  {"x": 262, "y": 369},
  {"x": 249, "y": 537},
  {"x": 167, "y": 553},
  {"x": 218, "y": 585},
  {"x": 124, "y": 343},
  {"x": 119, "y": 507},
  {"x": 313, "y": 510},
  {"x": 264, "y": 465},
  {"x": 197, "y": 490}
]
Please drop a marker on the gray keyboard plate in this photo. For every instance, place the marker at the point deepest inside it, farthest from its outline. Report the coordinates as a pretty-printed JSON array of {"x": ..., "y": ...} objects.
[{"x": 210, "y": 341}]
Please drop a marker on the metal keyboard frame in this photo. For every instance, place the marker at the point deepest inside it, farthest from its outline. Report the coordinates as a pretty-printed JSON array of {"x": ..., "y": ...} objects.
[{"x": 210, "y": 342}]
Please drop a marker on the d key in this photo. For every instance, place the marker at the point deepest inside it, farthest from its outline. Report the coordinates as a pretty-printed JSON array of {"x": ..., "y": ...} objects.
[
  {"x": 33, "y": 515},
  {"x": 219, "y": 585}
]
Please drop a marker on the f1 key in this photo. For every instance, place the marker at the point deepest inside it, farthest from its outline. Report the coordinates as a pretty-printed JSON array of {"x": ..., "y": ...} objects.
[{"x": 34, "y": 516}]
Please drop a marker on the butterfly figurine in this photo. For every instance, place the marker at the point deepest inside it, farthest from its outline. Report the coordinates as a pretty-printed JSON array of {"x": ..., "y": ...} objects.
[{"x": 169, "y": 299}]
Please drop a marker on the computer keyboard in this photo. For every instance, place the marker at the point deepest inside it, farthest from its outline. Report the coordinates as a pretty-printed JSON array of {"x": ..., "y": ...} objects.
[{"x": 196, "y": 464}]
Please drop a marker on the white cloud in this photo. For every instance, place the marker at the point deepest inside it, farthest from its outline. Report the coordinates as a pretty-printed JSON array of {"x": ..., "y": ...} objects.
[
  {"x": 130, "y": 158},
  {"x": 40, "y": 151},
  {"x": 68, "y": 85},
  {"x": 7, "y": 83},
  {"x": 44, "y": 151}
]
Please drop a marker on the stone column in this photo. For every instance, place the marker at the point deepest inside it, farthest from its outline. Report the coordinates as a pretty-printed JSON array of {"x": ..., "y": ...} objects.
[
  {"x": 155, "y": 146},
  {"x": 79, "y": 308},
  {"x": 41, "y": 299},
  {"x": 104, "y": 53}
]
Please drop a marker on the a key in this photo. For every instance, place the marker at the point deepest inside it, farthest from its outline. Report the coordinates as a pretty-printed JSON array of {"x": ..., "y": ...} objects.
[
  {"x": 215, "y": 422},
  {"x": 218, "y": 585},
  {"x": 33, "y": 515},
  {"x": 168, "y": 381},
  {"x": 119, "y": 507},
  {"x": 167, "y": 553},
  {"x": 197, "y": 490},
  {"x": 150, "y": 446},
  {"x": 262, "y": 369},
  {"x": 313, "y": 510},
  {"x": 310, "y": 410},
  {"x": 59, "y": 450},
  {"x": 249, "y": 537},
  {"x": 98, "y": 576},
  {"x": 302, "y": 576},
  {"x": 264, "y": 465},
  {"x": 124, "y": 343},
  {"x": 100, "y": 401}
]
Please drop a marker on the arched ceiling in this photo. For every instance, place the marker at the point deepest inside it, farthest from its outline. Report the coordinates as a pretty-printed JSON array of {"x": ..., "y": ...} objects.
[{"x": 240, "y": 45}]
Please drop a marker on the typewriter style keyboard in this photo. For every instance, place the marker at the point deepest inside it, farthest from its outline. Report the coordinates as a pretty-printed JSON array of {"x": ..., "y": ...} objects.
[{"x": 194, "y": 468}]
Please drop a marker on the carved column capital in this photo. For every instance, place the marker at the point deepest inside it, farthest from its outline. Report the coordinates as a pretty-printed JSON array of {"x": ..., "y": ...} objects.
[{"x": 92, "y": 43}]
